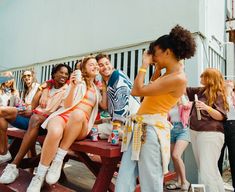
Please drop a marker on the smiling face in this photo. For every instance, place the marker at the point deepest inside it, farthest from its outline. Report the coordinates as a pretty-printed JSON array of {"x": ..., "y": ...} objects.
[
  {"x": 27, "y": 77},
  {"x": 92, "y": 68},
  {"x": 106, "y": 68},
  {"x": 61, "y": 76}
]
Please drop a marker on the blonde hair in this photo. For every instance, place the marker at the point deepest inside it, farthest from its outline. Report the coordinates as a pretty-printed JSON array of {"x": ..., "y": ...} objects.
[
  {"x": 214, "y": 84},
  {"x": 26, "y": 88}
]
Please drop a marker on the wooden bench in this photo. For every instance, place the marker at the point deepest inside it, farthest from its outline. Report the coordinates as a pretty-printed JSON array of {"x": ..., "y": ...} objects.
[{"x": 103, "y": 170}]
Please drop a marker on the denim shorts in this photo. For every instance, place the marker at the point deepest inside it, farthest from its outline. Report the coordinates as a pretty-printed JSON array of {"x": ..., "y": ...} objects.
[
  {"x": 22, "y": 122},
  {"x": 179, "y": 132}
]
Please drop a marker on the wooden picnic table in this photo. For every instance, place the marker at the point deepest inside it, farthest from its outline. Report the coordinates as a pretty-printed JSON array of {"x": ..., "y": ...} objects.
[{"x": 110, "y": 156}]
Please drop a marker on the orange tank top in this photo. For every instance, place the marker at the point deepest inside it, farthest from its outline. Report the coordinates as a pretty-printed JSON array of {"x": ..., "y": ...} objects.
[{"x": 157, "y": 104}]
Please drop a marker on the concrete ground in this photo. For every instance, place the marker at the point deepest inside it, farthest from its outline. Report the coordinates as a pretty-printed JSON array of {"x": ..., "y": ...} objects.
[{"x": 82, "y": 180}]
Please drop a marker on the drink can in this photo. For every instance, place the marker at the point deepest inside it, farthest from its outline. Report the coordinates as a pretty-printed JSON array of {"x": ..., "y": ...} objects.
[
  {"x": 94, "y": 134},
  {"x": 78, "y": 74},
  {"x": 114, "y": 137},
  {"x": 21, "y": 107}
]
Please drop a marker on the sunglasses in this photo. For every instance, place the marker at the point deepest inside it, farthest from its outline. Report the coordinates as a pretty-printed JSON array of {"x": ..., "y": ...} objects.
[{"x": 27, "y": 75}]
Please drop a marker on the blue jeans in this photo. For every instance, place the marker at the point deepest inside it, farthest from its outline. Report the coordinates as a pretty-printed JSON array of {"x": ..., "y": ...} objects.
[{"x": 149, "y": 166}]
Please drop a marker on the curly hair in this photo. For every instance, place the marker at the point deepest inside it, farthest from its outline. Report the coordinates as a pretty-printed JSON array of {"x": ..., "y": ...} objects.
[
  {"x": 214, "y": 85},
  {"x": 179, "y": 40},
  {"x": 58, "y": 67},
  {"x": 83, "y": 69}
]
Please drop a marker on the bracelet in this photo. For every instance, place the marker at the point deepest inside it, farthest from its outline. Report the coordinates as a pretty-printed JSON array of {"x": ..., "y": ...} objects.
[
  {"x": 209, "y": 109},
  {"x": 116, "y": 124},
  {"x": 143, "y": 70},
  {"x": 40, "y": 88}
]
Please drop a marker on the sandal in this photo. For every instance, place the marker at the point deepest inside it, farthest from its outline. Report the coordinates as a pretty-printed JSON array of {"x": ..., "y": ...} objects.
[
  {"x": 186, "y": 187},
  {"x": 173, "y": 186}
]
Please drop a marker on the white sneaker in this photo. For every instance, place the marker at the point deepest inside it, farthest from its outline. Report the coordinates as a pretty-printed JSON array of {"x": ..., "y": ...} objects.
[
  {"x": 35, "y": 184},
  {"x": 5, "y": 158},
  {"x": 10, "y": 173},
  {"x": 54, "y": 172},
  {"x": 228, "y": 187}
]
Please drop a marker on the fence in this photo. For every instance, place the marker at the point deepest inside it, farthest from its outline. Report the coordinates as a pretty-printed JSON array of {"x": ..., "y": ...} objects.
[{"x": 126, "y": 59}]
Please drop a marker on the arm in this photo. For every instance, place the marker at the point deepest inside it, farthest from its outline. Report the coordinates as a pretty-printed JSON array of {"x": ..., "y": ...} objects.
[
  {"x": 215, "y": 114},
  {"x": 44, "y": 97},
  {"x": 120, "y": 104},
  {"x": 35, "y": 101},
  {"x": 73, "y": 86},
  {"x": 104, "y": 101},
  {"x": 157, "y": 87}
]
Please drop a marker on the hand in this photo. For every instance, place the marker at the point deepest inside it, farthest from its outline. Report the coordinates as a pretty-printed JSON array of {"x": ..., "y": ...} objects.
[
  {"x": 73, "y": 79},
  {"x": 202, "y": 106},
  {"x": 25, "y": 113},
  {"x": 110, "y": 138},
  {"x": 146, "y": 60},
  {"x": 44, "y": 98}
]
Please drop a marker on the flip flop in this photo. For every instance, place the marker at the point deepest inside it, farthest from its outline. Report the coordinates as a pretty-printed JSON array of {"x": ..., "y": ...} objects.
[
  {"x": 185, "y": 187},
  {"x": 173, "y": 186}
]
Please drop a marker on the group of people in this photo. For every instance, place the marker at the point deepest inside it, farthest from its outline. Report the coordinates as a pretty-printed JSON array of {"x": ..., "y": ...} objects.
[{"x": 65, "y": 108}]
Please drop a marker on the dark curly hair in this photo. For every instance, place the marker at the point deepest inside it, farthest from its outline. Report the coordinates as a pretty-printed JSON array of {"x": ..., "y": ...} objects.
[
  {"x": 58, "y": 67},
  {"x": 180, "y": 41}
]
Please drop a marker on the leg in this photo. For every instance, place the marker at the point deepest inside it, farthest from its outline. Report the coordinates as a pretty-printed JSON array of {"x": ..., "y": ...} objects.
[
  {"x": 230, "y": 141},
  {"x": 209, "y": 148},
  {"x": 150, "y": 163},
  {"x": 179, "y": 148},
  {"x": 7, "y": 114},
  {"x": 221, "y": 159},
  {"x": 30, "y": 137},
  {"x": 55, "y": 131},
  {"x": 76, "y": 128},
  {"x": 194, "y": 137},
  {"x": 3, "y": 136},
  {"x": 127, "y": 173}
]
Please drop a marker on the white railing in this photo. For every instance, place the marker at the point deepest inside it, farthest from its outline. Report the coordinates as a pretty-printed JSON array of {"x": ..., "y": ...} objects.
[{"x": 128, "y": 59}]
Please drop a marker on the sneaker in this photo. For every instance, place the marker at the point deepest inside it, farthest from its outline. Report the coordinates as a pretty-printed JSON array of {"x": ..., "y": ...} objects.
[
  {"x": 54, "y": 172},
  {"x": 35, "y": 184},
  {"x": 10, "y": 173},
  {"x": 228, "y": 187},
  {"x": 5, "y": 158}
]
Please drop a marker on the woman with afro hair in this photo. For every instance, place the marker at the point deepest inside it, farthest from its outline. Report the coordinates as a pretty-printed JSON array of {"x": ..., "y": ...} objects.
[{"x": 146, "y": 140}]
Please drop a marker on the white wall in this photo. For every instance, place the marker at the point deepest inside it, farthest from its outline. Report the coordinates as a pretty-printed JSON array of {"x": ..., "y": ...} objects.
[
  {"x": 231, "y": 8},
  {"x": 36, "y": 31},
  {"x": 216, "y": 17}
]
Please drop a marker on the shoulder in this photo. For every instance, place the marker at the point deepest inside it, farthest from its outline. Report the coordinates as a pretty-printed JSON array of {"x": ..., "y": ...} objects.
[{"x": 177, "y": 80}]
